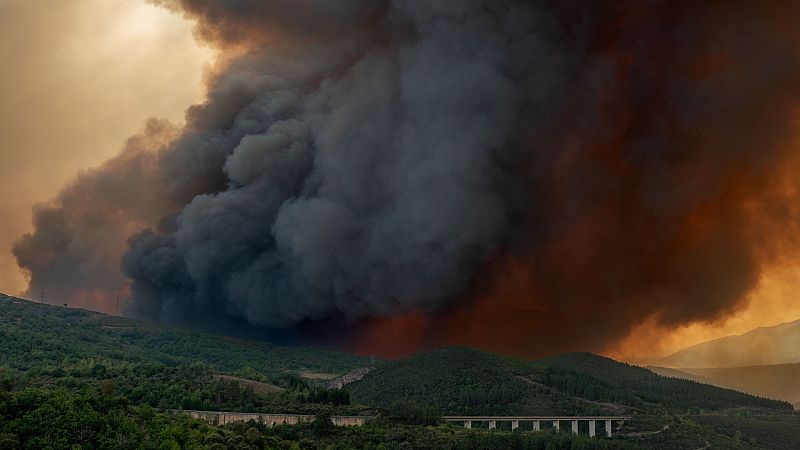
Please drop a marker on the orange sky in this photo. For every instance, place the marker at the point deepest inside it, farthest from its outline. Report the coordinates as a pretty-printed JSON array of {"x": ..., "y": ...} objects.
[
  {"x": 80, "y": 76},
  {"x": 773, "y": 301}
]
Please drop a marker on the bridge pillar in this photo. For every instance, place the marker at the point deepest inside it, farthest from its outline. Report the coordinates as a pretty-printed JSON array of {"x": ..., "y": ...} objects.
[
  {"x": 514, "y": 425},
  {"x": 467, "y": 424},
  {"x": 536, "y": 425},
  {"x": 592, "y": 429},
  {"x": 608, "y": 428},
  {"x": 574, "y": 427},
  {"x": 556, "y": 425},
  {"x": 492, "y": 424}
]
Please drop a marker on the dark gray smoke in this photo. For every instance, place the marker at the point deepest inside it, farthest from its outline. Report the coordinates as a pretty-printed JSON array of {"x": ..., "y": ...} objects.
[
  {"x": 351, "y": 163},
  {"x": 366, "y": 158}
]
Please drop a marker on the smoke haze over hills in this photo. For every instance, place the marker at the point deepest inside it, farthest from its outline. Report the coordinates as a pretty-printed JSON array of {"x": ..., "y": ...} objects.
[
  {"x": 763, "y": 346},
  {"x": 486, "y": 173}
]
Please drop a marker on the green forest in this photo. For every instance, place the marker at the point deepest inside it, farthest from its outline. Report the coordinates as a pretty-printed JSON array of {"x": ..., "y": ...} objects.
[
  {"x": 73, "y": 379},
  {"x": 467, "y": 381}
]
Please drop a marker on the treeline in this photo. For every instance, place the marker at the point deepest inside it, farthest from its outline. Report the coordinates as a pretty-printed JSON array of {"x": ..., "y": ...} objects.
[
  {"x": 58, "y": 419},
  {"x": 386, "y": 434},
  {"x": 37, "y": 419},
  {"x": 188, "y": 386}
]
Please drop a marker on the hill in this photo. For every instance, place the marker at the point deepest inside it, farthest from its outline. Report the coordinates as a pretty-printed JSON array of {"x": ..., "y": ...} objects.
[
  {"x": 71, "y": 378},
  {"x": 779, "y": 344},
  {"x": 52, "y": 333},
  {"x": 466, "y": 381},
  {"x": 667, "y": 413},
  {"x": 675, "y": 373},
  {"x": 774, "y": 381},
  {"x": 650, "y": 387},
  {"x": 46, "y": 346}
]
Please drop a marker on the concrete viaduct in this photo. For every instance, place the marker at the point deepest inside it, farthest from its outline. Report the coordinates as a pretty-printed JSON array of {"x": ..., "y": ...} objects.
[
  {"x": 271, "y": 420},
  {"x": 537, "y": 421}
]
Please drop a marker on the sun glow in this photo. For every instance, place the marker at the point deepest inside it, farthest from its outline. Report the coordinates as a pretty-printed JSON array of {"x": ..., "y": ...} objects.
[
  {"x": 769, "y": 304},
  {"x": 79, "y": 78}
]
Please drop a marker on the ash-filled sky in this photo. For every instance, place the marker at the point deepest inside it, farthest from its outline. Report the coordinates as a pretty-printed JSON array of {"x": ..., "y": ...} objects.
[
  {"x": 79, "y": 77},
  {"x": 523, "y": 176}
]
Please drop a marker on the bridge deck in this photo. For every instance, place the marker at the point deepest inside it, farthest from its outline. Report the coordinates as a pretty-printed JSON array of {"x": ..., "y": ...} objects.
[
  {"x": 226, "y": 417},
  {"x": 528, "y": 418}
]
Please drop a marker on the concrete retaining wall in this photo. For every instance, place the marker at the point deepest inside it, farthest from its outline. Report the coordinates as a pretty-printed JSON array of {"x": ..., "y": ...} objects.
[{"x": 270, "y": 420}]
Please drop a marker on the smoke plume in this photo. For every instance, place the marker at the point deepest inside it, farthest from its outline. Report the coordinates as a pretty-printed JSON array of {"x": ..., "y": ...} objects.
[{"x": 526, "y": 176}]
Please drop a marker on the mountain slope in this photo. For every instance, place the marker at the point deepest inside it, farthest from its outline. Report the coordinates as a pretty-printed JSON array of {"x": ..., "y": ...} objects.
[
  {"x": 50, "y": 347},
  {"x": 33, "y": 333},
  {"x": 653, "y": 388},
  {"x": 466, "y": 381},
  {"x": 60, "y": 365},
  {"x": 775, "y": 381},
  {"x": 675, "y": 373},
  {"x": 779, "y": 344}
]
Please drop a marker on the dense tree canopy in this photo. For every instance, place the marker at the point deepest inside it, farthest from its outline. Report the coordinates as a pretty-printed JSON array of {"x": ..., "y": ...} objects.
[{"x": 74, "y": 379}]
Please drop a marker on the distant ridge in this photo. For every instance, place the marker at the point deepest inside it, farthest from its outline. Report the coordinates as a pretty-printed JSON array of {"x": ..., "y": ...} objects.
[
  {"x": 779, "y": 344},
  {"x": 676, "y": 373},
  {"x": 774, "y": 381}
]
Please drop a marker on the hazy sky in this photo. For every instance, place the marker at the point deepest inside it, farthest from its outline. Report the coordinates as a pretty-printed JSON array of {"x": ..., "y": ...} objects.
[
  {"x": 773, "y": 301},
  {"x": 78, "y": 78}
]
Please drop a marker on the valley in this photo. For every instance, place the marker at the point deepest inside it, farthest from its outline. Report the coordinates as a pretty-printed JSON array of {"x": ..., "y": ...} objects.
[{"x": 139, "y": 376}]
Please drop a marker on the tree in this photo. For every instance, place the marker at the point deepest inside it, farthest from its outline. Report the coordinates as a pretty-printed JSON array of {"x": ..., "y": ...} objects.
[{"x": 322, "y": 421}]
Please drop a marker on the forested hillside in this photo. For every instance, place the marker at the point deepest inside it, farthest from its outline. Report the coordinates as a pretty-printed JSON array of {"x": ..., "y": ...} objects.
[
  {"x": 466, "y": 381},
  {"x": 44, "y": 346},
  {"x": 778, "y": 381},
  {"x": 666, "y": 413},
  {"x": 63, "y": 334},
  {"x": 76, "y": 379},
  {"x": 71, "y": 378},
  {"x": 35, "y": 419},
  {"x": 652, "y": 388}
]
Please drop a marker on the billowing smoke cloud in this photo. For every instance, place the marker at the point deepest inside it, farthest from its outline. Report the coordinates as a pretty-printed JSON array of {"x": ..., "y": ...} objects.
[
  {"x": 499, "y": 173},
  {"x": 75, "y": 251}
]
